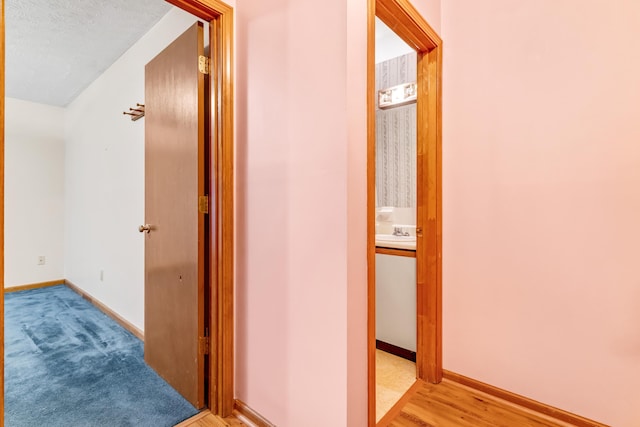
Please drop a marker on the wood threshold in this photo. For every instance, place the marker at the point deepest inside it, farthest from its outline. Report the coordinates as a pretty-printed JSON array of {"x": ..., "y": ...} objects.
[
  {"x": 34, "y": 286},
  {"x": 395, "y": 252},
  {"x": 523, "y": 401},
  {"x": 207, "y": 419},
  {"x": 106, "y": 310},
  {"x": 193, "y": 419},
  {"x": 244, "y": 413},
  {"x": 397, "y": 408}
]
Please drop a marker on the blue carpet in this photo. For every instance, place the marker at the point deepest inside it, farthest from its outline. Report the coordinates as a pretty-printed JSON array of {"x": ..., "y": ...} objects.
[{"x": 68, "y": 364}]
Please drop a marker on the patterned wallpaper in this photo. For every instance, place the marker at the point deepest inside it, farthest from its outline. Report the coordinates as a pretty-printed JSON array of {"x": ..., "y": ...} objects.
[{"x": 396, "y": 137}]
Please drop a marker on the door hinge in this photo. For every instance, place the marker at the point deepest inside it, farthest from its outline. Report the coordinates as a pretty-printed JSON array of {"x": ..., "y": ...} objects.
[
  {"x": 203, "y": 64},
  {"x": 203, "y": 204},
  {"x": 204, "y": 345}
]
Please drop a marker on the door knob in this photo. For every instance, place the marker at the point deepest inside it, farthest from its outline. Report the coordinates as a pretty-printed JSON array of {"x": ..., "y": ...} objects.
[{"x": 144, "y": 228}]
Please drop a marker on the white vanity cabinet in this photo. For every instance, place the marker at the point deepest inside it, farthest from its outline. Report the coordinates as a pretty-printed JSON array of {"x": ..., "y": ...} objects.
[{"x": 396, "y": 300}]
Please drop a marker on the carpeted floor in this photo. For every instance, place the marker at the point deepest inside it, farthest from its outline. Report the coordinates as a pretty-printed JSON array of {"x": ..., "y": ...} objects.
[{"x": 67, "y": 364}]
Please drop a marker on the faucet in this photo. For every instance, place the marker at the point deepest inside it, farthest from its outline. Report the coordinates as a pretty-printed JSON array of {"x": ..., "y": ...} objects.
[{"x": 397, "y": 231}]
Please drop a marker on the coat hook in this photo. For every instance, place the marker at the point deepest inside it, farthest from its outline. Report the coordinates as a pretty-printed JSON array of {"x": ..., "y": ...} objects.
[{"x": 135, "y": 113}]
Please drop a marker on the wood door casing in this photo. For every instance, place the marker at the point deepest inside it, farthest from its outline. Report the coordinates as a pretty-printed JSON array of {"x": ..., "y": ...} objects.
[
  {"x": 221, "y": 29},
  {"x": 2, "y": 93},
  {"x": 402, "y": 17},
  {"x": 175, "y": 247}
]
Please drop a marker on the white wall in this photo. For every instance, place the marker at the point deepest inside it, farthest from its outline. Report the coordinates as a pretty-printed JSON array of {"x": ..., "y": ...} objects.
[
  {"x": 34, "y": 195},
  {"x": 104, "y": 179},
  {"x": 388, "y": 44}
]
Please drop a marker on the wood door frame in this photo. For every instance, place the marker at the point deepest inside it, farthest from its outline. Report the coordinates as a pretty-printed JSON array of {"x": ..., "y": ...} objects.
[
  {"x": 2, "y": 76},
  {"x": 221, "y": 375},
  {"x": 408, "y": 24},
  {"x": 221, "y": 262}
]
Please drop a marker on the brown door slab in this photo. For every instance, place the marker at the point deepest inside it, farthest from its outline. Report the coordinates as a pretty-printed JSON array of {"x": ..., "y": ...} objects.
[{"x": 175, "y": 240}]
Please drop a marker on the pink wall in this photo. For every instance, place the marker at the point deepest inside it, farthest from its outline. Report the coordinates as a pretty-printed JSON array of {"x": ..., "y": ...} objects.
[
  {"x": 431, "y": 11},
  {"x": 540, "y": 205},
  {"x": 292, "y": 211},
  {"x": 541, "y": 201},
  {"x": 301, "y": 173},
  {"x": 356, "y": 90}
]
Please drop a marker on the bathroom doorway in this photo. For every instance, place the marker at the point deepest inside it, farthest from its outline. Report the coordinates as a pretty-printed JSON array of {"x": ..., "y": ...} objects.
[
  {"x": 395, "y": 216},
  {"x": 404, "y": 193}
]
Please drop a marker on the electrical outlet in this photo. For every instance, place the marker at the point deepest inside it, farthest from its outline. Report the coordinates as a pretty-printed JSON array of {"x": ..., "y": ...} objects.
[
  {"x": 42, "y": 260},
  {"x": 102, "y": 275}
]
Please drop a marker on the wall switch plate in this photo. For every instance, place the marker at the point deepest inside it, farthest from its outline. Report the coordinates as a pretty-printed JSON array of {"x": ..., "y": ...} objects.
[
  {"x": 42, "y": 260},
  {"x": 102, "y": 275}
]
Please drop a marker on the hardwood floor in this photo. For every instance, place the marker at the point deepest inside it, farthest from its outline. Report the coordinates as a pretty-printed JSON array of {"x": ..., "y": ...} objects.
[
  {"x": 447, "y": 404},
  {"x": 451, "y": 404},
  {"x": 207, "y": 419}
]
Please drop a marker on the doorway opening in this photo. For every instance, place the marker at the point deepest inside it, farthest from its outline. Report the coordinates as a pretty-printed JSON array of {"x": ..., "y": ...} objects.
[
  {"x": 394, "y": 243},
  {"x": 219, "y": 322},
  {"x": 395, "y": 217}
]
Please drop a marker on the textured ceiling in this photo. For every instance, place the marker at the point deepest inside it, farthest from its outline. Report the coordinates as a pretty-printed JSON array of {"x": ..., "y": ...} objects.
[{"x": 56, "y": 48}]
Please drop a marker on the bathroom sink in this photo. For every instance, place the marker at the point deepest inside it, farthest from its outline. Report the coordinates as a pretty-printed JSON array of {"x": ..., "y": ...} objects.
[
  {"x": 392, "y": 238},
  {"x": 397, "y": 242}
]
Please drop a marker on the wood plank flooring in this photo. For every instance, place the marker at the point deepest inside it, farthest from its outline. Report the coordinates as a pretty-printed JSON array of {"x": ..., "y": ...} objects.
[
  {"x": 451, "y": 404},
  {"x": 447, "y": 404},
  {"x": 207, "y": 419}
]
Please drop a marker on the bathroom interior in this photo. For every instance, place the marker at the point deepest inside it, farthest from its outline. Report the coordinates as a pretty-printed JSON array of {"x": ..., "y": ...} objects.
[{"x": 395, "y": 217}]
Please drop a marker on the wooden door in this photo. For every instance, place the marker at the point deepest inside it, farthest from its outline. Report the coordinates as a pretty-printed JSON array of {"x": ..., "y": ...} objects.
[{"x": 174, "y": 321}]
